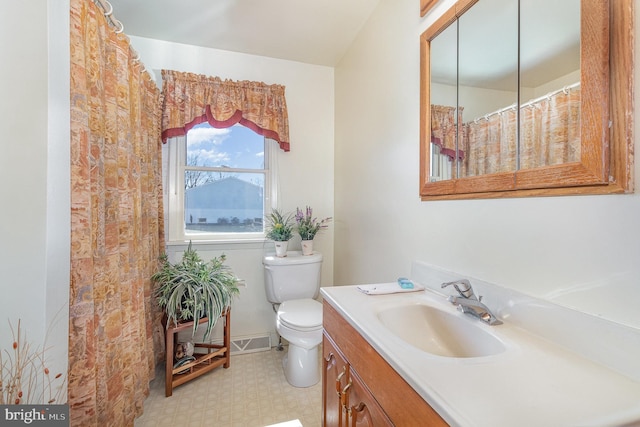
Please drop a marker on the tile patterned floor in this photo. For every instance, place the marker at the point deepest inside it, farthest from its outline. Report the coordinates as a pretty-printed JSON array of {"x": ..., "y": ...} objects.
[{"x": 252, "y": 392}]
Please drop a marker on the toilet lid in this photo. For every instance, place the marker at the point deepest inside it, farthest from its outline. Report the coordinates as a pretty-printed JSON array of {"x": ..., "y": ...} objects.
[{"x": 301, "y": 314}]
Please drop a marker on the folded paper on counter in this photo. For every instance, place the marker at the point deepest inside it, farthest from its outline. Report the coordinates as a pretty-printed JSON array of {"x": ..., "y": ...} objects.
[{"x": 388, "y": 288}]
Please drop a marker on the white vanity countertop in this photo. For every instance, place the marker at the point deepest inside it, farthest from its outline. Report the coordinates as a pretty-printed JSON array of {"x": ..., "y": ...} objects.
[{"x": 535, "y": 382}]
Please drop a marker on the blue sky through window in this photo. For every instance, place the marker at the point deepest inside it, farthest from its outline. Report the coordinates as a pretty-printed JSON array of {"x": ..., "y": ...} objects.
[{"x": 234, "y": 147}]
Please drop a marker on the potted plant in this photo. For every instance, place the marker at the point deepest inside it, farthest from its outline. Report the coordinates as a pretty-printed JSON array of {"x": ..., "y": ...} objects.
[
  {"x": 308, "y": 226},
  {"x": 193, "y": 289},
  {"x": 280, "y": 230}
]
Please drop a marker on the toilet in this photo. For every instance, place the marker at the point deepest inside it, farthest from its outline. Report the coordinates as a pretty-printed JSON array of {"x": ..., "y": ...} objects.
[{"x": 291, "y": 284}]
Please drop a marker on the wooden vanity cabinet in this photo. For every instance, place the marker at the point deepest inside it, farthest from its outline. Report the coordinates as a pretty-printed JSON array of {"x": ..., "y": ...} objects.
[
  {"x": 360, "y": 388},
  {"x": 346, "y": 400},
  {"x": 334, "y": 371},
  {"x": 362, "y": 408}
]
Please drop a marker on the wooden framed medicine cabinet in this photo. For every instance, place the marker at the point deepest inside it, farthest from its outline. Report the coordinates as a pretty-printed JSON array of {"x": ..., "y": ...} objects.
[
  {"x": 426, "y": 5},
  {"x": 602, "y": 161}
]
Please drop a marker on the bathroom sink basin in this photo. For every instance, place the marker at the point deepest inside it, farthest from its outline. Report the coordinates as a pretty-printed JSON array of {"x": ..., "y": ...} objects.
[{"x": 438, "y": 332}]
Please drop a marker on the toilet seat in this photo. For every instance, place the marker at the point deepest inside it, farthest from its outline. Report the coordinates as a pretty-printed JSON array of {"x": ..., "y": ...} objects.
[{"x": 301, "y": 314}]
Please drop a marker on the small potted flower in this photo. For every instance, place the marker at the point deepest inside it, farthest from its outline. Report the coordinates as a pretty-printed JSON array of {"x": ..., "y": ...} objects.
[
  {"x": 308, "y": 226},
  {"x": 280, "y": 230}
]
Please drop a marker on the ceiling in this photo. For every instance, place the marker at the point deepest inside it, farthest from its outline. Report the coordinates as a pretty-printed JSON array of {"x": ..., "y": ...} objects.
[{"x": 310, "y": 31}]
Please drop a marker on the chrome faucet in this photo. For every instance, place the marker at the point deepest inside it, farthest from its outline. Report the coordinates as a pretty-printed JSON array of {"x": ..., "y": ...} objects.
[{"x": 468, "y": 303}]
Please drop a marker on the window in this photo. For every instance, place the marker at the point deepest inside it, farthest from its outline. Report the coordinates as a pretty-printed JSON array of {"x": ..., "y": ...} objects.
[{"x": 219, "y": 184}]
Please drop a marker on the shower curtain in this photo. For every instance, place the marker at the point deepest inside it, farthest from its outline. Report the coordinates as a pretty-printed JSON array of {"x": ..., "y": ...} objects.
[
  {"x": 550, "y": 130},
  {"x": 549, "y": 135},
  {"x": 117, "y": 226},
  {"x": 491, "y": 144}
]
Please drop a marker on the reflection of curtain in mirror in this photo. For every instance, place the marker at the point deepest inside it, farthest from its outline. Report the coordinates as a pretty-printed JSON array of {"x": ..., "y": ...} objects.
[
  {"x": 550, "y": 135},
  {"x": 551, "y": 130},
  {"x": 490, "y": 143},
  {"x": 443, "y": 130}
]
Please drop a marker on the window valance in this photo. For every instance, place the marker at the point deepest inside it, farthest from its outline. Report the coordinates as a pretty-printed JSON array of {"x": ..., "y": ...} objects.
[
  {"x": 190, "y": 99},
  {"x": 443, "y": 129}
]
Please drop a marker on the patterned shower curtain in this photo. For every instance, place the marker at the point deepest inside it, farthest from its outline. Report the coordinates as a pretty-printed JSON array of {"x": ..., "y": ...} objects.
[
  {"x": 491, "y": 144},
  {"x": 550, "y": 130},
  {"x": 549, "y": 135},
  {"x": 117, "y": 226}
]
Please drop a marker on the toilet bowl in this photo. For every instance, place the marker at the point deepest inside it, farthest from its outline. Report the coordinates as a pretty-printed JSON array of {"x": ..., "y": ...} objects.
[
  {"x": 300, "y": 323},
  {"x": 291, "y": 284}
]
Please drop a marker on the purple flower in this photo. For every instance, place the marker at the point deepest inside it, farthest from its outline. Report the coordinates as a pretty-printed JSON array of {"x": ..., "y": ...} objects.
[{"x": 308, "y": 226}]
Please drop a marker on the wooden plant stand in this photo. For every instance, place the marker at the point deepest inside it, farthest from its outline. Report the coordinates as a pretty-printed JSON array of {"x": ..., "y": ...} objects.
[{"x": 215, "y": 356}]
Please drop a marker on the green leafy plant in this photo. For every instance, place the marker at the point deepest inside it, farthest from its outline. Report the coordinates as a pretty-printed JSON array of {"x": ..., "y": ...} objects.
[
  {"x": 308, "y": 226},
  {"x": 279, "y": 226},
  {"x": 24, "y": 375},
  {"x": 192, "y": 289}
]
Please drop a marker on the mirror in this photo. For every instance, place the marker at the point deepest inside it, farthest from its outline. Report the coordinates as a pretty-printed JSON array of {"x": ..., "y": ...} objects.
[
  {"x": 444, "y": 95},
  {"x": 549, "y": 83},
  {"x": 487, "y": 87},
  {"x": 514, "y": 100}
]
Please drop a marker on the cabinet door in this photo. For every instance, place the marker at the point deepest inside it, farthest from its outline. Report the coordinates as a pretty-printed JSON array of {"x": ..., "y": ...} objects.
[
  {"x": 363, "y": 410},
  {"x": 334, "y": 379}
]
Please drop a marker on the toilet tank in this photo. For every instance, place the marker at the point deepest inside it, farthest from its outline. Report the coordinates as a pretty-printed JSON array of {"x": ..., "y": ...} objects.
[{"x": 295, "y": 276}]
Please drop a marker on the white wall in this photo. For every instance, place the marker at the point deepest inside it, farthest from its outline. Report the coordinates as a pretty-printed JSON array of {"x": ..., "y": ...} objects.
[
  {"x": 58, "y": 184},
  {"x": 583, "y": 251},
  {"x": 305, "y": 173},
  {"x": 34, "y": 165}
]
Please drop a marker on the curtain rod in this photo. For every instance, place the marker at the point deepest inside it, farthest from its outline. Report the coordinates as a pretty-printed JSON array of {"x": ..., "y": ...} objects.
[
  {"x": 107, "y": 9},
  {"x": 529, "y": 103}
]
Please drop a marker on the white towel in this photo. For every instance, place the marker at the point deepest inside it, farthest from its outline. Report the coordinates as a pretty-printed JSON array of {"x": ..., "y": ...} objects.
[{"x": 388, "y": 288}]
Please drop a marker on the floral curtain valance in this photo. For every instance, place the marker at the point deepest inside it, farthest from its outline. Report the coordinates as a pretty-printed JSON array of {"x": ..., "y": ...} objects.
[
  {"x": 443, "y": 129},
  {"x": 190, "y": 99}
]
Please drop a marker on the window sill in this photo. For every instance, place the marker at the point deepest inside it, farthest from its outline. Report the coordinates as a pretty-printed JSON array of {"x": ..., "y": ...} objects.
[{"x": 217, "y": 244}]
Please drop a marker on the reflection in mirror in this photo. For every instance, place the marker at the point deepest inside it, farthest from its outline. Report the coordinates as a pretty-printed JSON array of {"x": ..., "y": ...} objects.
[
  {"x": 549, "y": 82},
  {"x": 584, "y": 147},
  {"x": 443, "y": 103},
  {"x": 487, "y": 82},
  {"x": 474, "y": 68}
]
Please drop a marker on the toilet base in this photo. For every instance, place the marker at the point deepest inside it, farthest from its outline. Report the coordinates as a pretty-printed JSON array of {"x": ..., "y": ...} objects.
[{"x": 301, "y": 366}]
